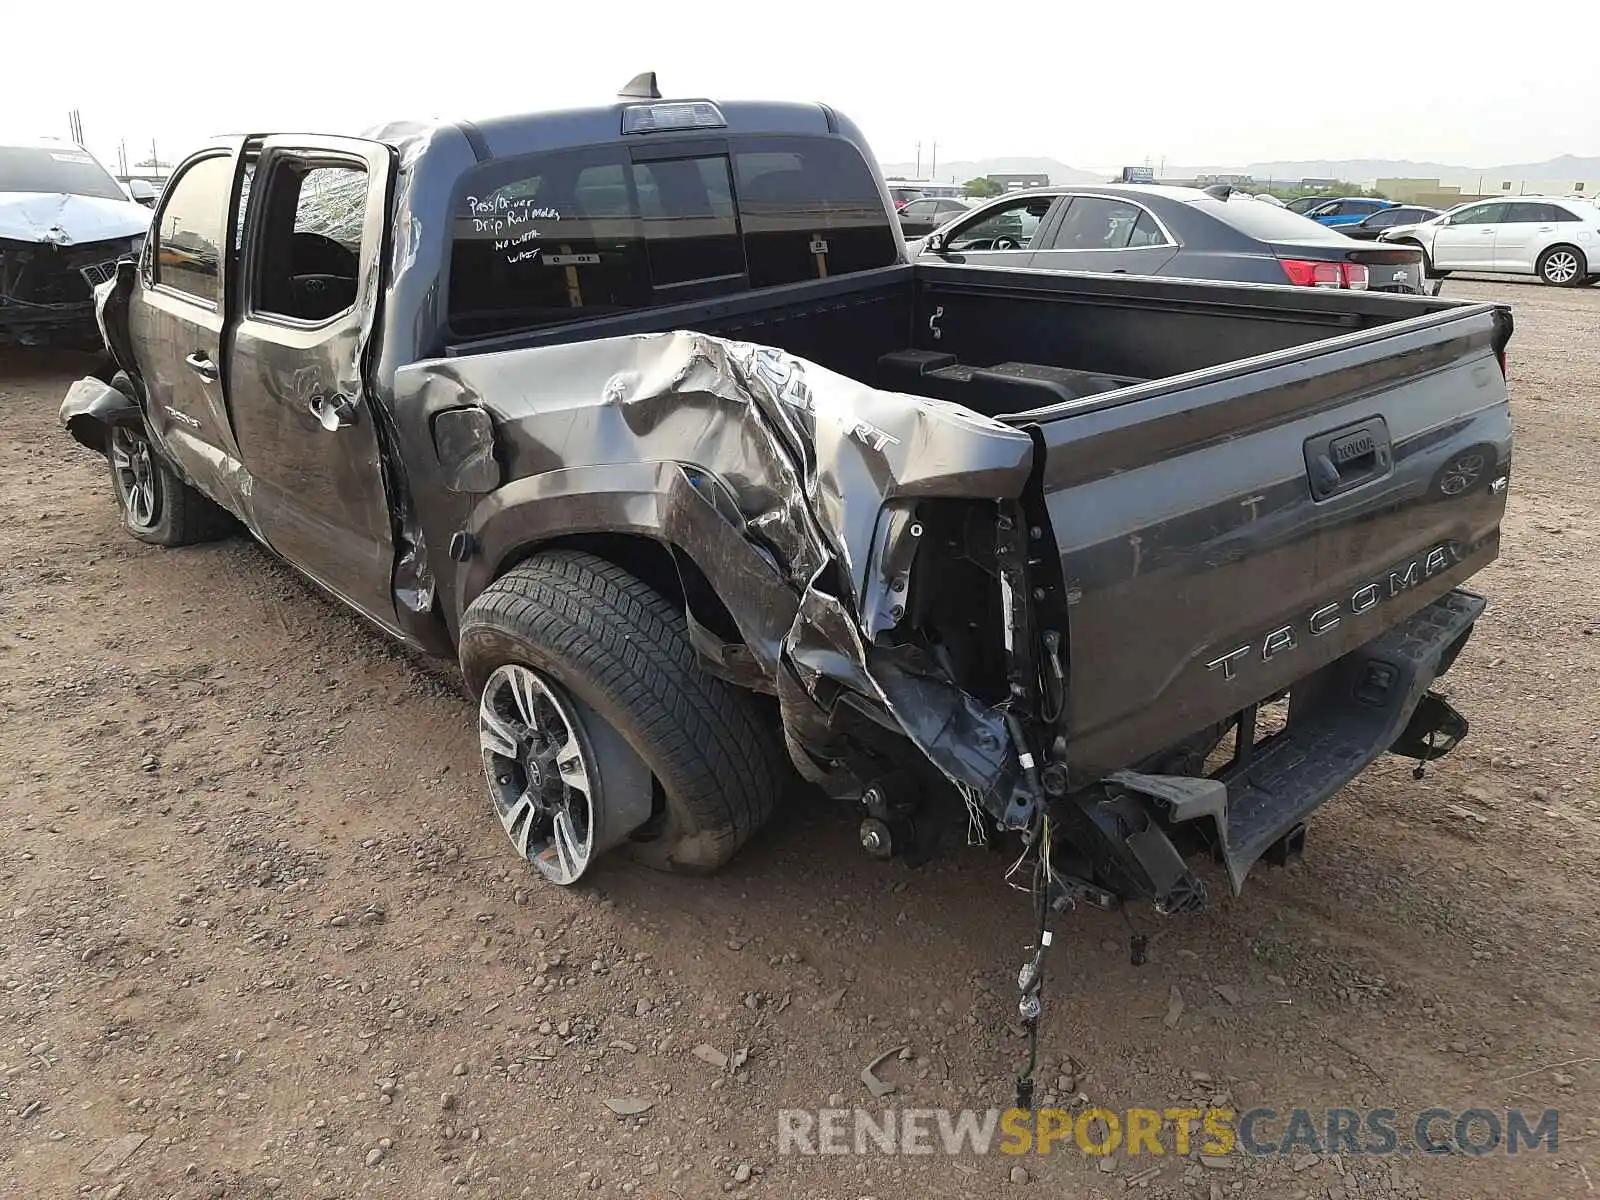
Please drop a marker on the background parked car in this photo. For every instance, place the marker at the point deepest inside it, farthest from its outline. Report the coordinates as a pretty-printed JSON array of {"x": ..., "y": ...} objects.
[
  {"x": 1304, "y": 204},
  {"x": 64, "y": 223},
  {"x": 1347, "y": 211},
  {"x": 1557, "y": 240},
  {"x": 1369, "y": 228},
  {"x": 918, "y": 217},
  {"x": 1175, "y": 232}
]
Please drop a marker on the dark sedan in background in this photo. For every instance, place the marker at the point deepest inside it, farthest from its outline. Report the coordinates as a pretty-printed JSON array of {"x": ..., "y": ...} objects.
[
  {"x": 1369, "y": 228},
  {"x": 1177, "y": 232},
  {"x": 918, "y": 217}
]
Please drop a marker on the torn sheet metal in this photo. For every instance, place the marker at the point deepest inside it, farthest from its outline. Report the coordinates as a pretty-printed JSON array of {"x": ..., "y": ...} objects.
[{"x": 822, "y": 472}]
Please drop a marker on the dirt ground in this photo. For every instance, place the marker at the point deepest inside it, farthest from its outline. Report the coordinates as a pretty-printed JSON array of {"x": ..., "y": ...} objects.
[{"x": 254, "y": 910}]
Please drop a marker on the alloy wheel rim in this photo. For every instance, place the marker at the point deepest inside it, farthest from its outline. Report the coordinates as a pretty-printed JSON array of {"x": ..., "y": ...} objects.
[
  {"x": 1560, "y": 267},
  {"x": 136, "y": 477},
  {"x": 538, "y": 772},
  {"x": 1461, "y": 474}
]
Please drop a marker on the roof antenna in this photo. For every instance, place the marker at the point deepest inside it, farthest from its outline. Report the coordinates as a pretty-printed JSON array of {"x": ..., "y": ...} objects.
[
  {"x": 641, "y": 87},
  {"x": 1219, "y": 191}
]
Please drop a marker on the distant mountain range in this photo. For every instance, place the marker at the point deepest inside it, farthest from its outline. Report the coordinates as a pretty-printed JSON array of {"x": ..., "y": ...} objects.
[
  {"x": 1567, "y": 168},
  {"x": 961, "y": 170}
]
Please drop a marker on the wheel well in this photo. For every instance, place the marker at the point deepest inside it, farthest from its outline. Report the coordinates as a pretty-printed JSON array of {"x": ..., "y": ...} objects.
[
  {"x": 665, "y": 567},
  {"x": 1578, "y": 250}
]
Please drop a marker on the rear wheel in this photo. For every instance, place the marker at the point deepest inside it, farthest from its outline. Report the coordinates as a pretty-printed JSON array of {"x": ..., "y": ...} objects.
[
  {"x": 1563, "y": 266},
  {"x": 600, "y": 728},
  {"x": 158, "y": 507}
]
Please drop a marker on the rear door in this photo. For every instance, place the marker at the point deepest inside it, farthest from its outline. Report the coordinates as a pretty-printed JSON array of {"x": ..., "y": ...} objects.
[
  {"x": 1111, "y": 235},
  {"x": 1525, "y": 228},
  {"x": 307, "y": 429},
  {"x": 177, "y": 314},
  {"x": 1466, "y": 241}
]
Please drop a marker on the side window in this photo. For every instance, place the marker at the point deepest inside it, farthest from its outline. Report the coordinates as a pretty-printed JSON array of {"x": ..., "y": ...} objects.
[
  {"x": 1331, "y": 209},
  {"x": 1009, "y": 226},
  {"x": 1387, "y": 217},
  {"x": 1482, "y": 214},
  {"x": 188, "y": 235},
  {"x": 1146, "y": 232},
  {"x": 308, "y": 259},
  {"x": 920, "y": 208},
  {"x": 1096, "y": 223},
  {"x": 1559, "y": 214},
  {"x": 1525, "y": 214}
]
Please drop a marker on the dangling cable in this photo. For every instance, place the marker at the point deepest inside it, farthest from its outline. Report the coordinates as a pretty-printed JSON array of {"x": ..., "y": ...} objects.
[{"x": 1030, "y": 980}]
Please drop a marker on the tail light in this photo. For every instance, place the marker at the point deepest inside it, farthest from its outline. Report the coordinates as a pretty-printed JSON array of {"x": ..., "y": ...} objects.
[{"x": 1306, "y": 273}]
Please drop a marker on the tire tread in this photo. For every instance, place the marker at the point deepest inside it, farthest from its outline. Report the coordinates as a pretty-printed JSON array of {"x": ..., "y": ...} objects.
[{"x": 627, "y": 644}]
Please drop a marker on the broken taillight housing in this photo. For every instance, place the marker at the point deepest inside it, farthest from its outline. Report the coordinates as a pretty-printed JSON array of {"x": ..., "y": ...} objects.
[{"x": 1309, "y": 273}]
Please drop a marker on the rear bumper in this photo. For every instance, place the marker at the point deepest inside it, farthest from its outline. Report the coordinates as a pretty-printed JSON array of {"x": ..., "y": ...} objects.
[{"x": 1373, "y": 700}]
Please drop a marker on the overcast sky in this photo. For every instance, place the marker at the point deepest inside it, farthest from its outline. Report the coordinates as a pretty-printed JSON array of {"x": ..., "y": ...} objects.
[{"x": 1092, "y": 84}]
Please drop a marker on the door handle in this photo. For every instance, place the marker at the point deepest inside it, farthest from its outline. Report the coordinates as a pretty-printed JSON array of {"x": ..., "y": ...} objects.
[
  {"x": 333, "y": 412},
  {"x": 202, "y": 366},
  {"x": 1547, "y": 229}
]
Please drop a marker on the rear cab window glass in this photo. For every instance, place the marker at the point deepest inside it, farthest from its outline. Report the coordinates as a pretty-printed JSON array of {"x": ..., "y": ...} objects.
[
  {"x": 187, "y": 236},
  {"x": 549, "y": 238},
  {"x": 809, "y": 208}
]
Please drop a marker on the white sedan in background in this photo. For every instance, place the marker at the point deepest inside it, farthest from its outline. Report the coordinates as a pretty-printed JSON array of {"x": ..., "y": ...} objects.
[{"x": 1557, "y": 239}]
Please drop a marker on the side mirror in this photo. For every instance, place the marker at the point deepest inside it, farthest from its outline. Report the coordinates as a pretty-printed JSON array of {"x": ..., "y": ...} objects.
[
  {"x": 141, "y": 191},
  {"x": 933, "y": 243}
]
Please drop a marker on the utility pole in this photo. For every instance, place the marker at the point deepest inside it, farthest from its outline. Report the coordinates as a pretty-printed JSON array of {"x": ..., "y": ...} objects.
[
  {"x": 933, "y": 162},
  {"x": 918, "y": 172}
]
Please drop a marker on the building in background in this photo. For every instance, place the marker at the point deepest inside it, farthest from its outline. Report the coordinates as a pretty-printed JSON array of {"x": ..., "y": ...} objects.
[
  {"x": 1436, "y": 194},
  {"x": 1010, "y": 183}
]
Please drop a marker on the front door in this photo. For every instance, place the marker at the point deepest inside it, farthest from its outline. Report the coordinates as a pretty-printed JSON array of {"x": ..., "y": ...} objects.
[
  {"x": 1001, "y": 234},
  {"x": 306, "y": 426},
  {"x": 1466, "y": 241},
  {"x": 176, "y": 317}
]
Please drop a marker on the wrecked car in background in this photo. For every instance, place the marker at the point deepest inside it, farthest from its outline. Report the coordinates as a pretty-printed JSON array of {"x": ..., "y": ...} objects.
[
  {"x": 64, "y": 222},
  {"x": 640, "y": 413}
]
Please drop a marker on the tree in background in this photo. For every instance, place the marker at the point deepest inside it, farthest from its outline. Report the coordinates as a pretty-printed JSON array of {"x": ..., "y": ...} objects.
[{"x": 980, "y": 187}]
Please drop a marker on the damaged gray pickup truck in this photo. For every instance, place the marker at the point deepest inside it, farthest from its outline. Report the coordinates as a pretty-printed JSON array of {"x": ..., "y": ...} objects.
[{"x": 641, "y": 413}]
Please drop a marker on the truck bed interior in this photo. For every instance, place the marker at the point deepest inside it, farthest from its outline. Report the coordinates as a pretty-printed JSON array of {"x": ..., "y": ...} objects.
[{"x": 982, "y": 338}]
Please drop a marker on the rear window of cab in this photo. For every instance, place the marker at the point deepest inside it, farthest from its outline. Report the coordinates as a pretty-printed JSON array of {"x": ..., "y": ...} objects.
[{"x": 545, "y": 239}]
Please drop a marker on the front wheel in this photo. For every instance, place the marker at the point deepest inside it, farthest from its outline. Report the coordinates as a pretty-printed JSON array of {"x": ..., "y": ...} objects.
[
  {"x": 158, "y": 507},
  {"x": 598, "y": 726},
  {"x": 1562, "y": 266}
]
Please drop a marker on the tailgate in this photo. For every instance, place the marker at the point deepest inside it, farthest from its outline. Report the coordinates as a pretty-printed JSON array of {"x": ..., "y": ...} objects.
[{"x": 1226, "y": 533}]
